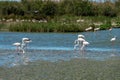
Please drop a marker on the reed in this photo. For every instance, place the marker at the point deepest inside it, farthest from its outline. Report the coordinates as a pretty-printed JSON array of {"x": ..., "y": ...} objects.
[
  {"x": 45, "y": 27},
  {"x": 64, "y": 23}
]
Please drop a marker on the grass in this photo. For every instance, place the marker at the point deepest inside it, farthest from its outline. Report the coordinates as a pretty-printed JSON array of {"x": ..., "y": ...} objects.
[
  {"x": 45, "y": 27},
  {"x": 1, "y": 25},
  {"x": 76, "y": 69},
  {"x": 62, "y": 24}
]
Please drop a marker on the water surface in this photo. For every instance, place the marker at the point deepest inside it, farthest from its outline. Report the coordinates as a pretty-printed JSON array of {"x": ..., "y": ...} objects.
[{"x": 59, "y": 46}]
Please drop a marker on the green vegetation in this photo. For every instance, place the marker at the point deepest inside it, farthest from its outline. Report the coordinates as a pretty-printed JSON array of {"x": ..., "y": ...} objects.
[
  {"x": 46, "y": 27},
  {"x": 43, "y": 9},
  {"x": 63, "y": 24},
  {"x": 28, "y": 15},
  {"x": 76, "y": 69}
]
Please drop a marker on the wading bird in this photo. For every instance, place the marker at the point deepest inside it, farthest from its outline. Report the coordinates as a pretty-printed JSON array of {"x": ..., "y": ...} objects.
[
  {"x": 25, "y": 41},
  {"x": 85, "y": 43},
  {"x": 18, "y": 45},
  {"x": 110, "y": 29},
  {"x": 113, "y": 39},
  {"x": 23, "y": 45},
  {"x": 78, "y": 41},
  {"x": 81, "y": 36}
]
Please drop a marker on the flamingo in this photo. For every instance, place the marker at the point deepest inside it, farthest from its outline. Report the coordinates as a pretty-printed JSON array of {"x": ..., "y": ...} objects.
[
  {"x": 18, "y": 45},
  {"x": 81, "y": 36},
  {"x": 113, "y": 39},
  {"x": 85, "y": 43},
  {"x": 25, "y": 41},
  {"x": 21, "y": 46},
  {"x": 110, "y": 29},
  {"x": 81, "y": 39},
  {"x": 78, "y": 42}
]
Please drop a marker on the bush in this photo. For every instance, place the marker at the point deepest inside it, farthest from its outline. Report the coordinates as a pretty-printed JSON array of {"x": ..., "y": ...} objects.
[{"x": 107, "y": 25}]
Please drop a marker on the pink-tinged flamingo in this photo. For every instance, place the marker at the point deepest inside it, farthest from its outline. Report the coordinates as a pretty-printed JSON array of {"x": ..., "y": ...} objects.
[{"x": 18, "y": 45}]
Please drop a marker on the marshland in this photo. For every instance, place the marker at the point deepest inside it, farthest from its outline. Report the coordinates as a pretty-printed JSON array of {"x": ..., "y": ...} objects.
[{"x": 52, "y": 30}]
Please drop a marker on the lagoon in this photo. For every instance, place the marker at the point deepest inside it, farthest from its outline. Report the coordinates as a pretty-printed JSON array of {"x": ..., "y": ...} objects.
[{"x": 59, "y": 46}]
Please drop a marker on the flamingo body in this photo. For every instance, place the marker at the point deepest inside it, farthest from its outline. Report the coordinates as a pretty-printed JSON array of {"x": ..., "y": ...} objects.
[
  {"x": 21, "y": 46},
  {"x": 81, "y": 39},
  {"x": 84, "y": 44},
  {"x": 110, "y": 29},
  {"x": 17, "y": 44},
  {"x": 113, "y": 39},
  {"x": 81, "y": 36}
]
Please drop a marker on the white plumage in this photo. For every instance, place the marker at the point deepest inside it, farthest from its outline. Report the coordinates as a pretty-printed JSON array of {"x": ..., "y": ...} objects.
[
  {"x": 17, "y": 44},
  {"x": 21, "y": 46},
  {"x": 80, "y": 42},
  {"x": 113, "y": 39},
  {"x": 110, "y": 29},
  {"x": 85, "y": 43},
  {"x": 81, "y": 36},
  {"x": 81, "y": 39}
]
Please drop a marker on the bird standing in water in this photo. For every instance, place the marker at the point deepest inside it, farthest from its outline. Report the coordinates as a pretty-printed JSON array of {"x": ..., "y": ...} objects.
[
  {"x": 23, "y": 45},
  {"x": 85, "y": 43},
  {"x": 113, "y": 39},
  {"x": 25, "y": 41},
  {"x": 18, "y": 45},
  {"x": 79, "y": 41}
]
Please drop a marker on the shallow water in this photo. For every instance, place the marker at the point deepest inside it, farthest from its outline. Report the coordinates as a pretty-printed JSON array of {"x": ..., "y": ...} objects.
[{"x": 59, "y": 46}]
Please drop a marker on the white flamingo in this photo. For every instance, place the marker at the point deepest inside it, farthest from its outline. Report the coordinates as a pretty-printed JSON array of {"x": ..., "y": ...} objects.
[
  {"x": 85, "y": 43},
  {"x": 110, "y": 29},
  {"x": 18, "y": 45},
  {"x": 21, "y": 46},
  {"x": 76, "y": 44},
  {"x": 82, "y": 48},
  {"x": 81, "y": 36},
  {"x": 25, "y": 41},
  {"x": 78, "y": 41},
  {"x": 113, "y": 39}
]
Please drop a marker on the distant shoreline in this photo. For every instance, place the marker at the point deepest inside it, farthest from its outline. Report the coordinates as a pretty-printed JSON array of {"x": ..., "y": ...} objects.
[{"x": 63, "y": 24}]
